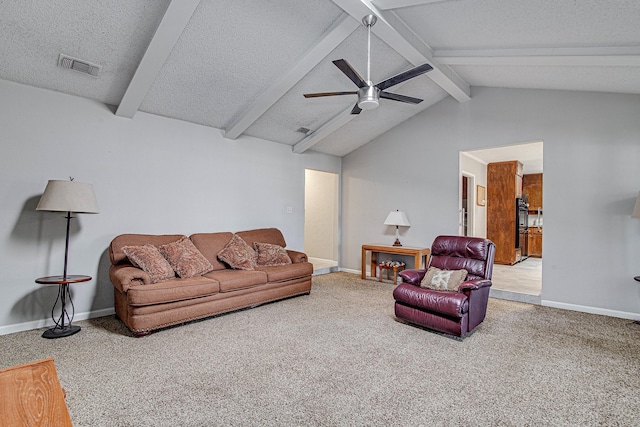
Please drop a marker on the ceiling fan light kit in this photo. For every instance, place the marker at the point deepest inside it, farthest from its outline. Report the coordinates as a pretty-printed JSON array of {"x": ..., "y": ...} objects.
[
  {"x": 368, "y": 97},
  {"x": 369, "y": 94}
]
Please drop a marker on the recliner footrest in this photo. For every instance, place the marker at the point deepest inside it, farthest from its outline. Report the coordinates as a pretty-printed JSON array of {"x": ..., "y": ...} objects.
[{"x": 446, "y": 302}]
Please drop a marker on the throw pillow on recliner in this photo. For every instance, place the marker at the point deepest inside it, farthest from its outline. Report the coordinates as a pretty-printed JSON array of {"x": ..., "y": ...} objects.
[{"x": 443, "y": 280}]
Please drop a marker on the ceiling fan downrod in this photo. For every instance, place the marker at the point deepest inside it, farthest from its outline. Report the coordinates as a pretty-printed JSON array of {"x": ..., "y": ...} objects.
[{"x": 369, "y": 96}]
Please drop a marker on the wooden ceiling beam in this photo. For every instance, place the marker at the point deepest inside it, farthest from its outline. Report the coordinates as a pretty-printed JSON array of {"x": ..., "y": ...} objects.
[{"x": 167, "y": 34}]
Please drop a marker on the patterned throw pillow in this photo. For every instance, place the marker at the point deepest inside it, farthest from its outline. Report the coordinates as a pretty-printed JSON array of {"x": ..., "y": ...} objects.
[
  {"x": 238, "y": 254},
  {"x": 185, "y": 258},
  {"x": 269, "y": 254},
  {"x": 443, "y": 280},
  {"x": 148, "y": 258}
]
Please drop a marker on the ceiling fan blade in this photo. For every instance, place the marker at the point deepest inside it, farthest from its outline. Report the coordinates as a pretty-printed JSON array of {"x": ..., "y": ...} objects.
[
  {"x": 401, "y": 98},
  {"x": 414, "y": 72},
  {"x": 317, "y": 95},
  {"x": 356, "y": 109},
  {"x": 347, "y": 69}
]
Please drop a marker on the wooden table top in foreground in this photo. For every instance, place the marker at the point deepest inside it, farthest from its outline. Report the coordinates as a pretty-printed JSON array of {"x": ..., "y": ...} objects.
[{"x": 31, "y": 395}]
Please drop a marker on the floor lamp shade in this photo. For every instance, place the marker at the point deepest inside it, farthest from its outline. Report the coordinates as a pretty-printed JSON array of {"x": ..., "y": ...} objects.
[{"x": 68, "y": 196}]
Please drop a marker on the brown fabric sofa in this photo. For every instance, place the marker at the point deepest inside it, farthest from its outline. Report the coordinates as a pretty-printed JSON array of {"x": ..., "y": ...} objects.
[{"x": 144, "y": 306}]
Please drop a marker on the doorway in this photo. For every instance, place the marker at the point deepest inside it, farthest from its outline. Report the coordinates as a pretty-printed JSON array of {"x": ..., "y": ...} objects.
[
  {"x": 523, "y": 280},
  {"x": 321, "y": 220}
]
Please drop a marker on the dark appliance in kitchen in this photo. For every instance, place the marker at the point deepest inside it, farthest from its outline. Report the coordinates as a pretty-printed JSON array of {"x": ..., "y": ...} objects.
[{"x": 522, "y": 225}]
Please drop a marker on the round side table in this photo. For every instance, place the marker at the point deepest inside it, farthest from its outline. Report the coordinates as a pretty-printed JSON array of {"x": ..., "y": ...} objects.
[{"x": 63, "y": 326}]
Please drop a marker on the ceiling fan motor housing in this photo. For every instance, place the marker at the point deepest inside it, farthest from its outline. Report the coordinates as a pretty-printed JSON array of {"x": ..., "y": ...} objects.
[{"x": 368, "y": 97}]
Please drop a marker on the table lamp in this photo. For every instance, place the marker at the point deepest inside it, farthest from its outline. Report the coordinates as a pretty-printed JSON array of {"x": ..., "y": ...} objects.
[
  {"x": 70, "y": 197},
  {"x": 399, "y": 219}
]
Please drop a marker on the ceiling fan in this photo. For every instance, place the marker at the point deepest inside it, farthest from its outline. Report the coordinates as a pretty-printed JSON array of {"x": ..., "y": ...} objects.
[{"x": 369, "y": 94}]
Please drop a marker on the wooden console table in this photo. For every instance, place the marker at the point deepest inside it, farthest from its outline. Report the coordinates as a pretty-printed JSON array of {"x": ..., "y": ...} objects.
[
  {"x": 418, "y": 255},
  {"x": 31, "y": 395}
]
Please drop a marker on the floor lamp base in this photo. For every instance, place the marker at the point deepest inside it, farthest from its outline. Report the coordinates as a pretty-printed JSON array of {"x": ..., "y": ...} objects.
[{"x": 61, "y": 332}]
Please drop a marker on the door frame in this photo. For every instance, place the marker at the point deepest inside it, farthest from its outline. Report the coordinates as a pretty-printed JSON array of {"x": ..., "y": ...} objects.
[{"x": 471, "y": 204}]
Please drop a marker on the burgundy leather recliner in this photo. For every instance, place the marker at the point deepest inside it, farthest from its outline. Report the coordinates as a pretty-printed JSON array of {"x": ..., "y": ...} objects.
[{"x": 451, "y": 312}]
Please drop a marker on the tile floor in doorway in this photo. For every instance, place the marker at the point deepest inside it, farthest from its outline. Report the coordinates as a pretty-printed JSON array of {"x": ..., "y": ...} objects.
[
  {"x": 323, "y": 266},
  {"x": 518, "y": 282}
]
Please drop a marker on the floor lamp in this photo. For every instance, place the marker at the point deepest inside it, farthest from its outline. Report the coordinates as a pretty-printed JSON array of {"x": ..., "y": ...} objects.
[{"x": 70, "y": 197}]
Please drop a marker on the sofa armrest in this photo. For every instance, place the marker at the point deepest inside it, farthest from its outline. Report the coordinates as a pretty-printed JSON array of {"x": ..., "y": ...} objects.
[
  {"x": 472, "y": 285},
  {"x": 297, "y": 257},
  {"x": 413, "y": 277},
  {"x": 125, "y": 275}
]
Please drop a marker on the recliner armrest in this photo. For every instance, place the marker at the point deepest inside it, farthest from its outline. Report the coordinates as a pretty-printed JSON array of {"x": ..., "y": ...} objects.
[
  {"x": 413, "y": 277},
  {"x": 472, "y": 285}
]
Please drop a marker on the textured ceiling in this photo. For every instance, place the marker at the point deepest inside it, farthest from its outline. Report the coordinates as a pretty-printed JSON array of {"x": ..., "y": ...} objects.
[{"x": 242, "y": 66}]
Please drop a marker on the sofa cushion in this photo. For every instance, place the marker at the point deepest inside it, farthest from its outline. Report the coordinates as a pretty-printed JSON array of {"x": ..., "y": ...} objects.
[
  {"x": 281, "y": 273},
  {"x": 443, "y": 280},
  {"x": 149, "y": 258},
  {"x": 185, "y": 258},
  {"x": 172, "y": 290},
  {"x": 238, "y": 254},
  {"x": 209, "y": 244},
  {"x": 269, "y": 254},
  {"x": 231, "y": 280}
]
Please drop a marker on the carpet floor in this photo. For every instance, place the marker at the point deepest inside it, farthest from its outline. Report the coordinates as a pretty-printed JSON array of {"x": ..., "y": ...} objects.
[{"x": 338, "y": 357}]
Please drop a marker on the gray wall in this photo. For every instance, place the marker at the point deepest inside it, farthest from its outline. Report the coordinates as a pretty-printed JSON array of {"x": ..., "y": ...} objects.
[
  {"x": 150, "y": 174},
  {"x": 591, "y": 156}
]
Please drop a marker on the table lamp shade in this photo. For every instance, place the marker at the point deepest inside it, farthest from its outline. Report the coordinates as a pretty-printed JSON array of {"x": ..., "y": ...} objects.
[
  {"x": 397, "y": 218},
  {"x": 68, "y": 196},
  {"x": 636, "y": 208}
]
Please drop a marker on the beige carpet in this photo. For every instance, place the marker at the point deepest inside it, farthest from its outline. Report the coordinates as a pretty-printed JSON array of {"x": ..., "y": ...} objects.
[{"x": 338, "y": 358}]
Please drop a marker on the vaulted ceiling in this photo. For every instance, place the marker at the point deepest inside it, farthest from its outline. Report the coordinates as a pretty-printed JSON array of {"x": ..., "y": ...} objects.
[{"x": 243, "y": 65}]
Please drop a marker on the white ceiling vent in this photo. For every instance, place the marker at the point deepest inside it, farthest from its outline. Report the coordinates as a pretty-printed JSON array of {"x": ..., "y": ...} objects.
[{"x": 79, "y": 65}]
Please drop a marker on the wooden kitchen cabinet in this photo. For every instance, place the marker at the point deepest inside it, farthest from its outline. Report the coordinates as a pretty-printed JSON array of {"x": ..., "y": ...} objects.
[
  {"x": 504, "y": 185},
  {"x": 532, "y": 185},
  {"x": 535, "y": 242}
]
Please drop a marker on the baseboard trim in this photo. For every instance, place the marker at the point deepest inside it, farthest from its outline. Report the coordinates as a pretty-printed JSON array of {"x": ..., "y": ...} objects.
[
  {"x": 591, "y": 310},
  {"x": 44, "y": 323},
  {"x": 561, "y": 305}
]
